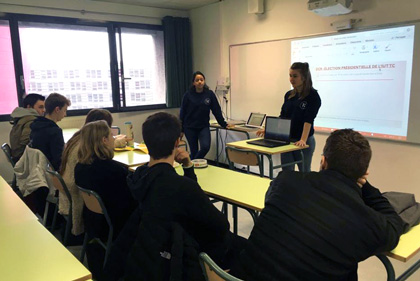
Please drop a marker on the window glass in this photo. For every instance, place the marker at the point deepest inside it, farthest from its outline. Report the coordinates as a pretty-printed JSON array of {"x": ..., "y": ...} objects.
[
  {"x": 8, "y": 90},
  {"x": 68, "y": 59}
]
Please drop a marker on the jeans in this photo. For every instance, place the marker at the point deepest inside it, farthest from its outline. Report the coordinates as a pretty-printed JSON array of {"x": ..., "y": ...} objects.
[
  {"x": 195, "y": 136},
  {"x": 295, "y": 156}
]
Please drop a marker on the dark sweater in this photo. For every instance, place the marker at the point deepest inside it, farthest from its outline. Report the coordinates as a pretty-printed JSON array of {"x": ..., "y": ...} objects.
[
  {"x": 318, "y": 226},
  {"x": 168, "y": 196},
  {"x": 48, "y": 137},
  {"x": 108, "y": 179},
  {"x": 195, "y": 109},
  {"x": 300, "y": 111}
]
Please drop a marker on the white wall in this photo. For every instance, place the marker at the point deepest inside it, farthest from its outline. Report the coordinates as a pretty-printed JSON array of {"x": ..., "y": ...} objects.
[
  {"x": 394, "y": 165},
  {"x": 92, "y": 11}
]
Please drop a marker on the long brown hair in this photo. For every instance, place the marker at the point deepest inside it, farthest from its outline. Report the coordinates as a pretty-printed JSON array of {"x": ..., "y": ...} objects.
[
  {"x": 91, "y": 142},
  {"x": 93, "y": 115},
  {"x": 303, "y": 68}
]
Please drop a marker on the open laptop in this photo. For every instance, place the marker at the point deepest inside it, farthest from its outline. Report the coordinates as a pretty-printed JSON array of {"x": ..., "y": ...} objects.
[
  {"x": 255, "y": 121},
  {"x": 277, "y": 133}
]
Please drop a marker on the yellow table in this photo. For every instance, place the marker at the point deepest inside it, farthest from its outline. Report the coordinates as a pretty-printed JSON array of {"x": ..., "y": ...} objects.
[
  {"x": 131, "y": 158},
  {"x": 28, "y": 251},
  {"x": 269, "y": 152},
  {"x": 408, "y": 246}
]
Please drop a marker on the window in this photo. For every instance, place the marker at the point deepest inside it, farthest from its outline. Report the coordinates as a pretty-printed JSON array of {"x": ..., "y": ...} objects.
[{"x": 8, "y": 90}]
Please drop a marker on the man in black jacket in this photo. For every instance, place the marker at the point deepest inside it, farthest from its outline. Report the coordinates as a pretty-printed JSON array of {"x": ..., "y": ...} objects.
[
  {"x": 318, "y": 226},
  {"x": 175, "y": 220}
]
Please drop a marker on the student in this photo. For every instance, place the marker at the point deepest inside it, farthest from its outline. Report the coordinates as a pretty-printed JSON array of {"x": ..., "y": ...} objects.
[
  {"x": 98, "y": 172},
  {"x": 170, "y": 202},
  {"x": 45, "y": 133},
  {"x": 68, "y": 163},
  {"x": 195, "y": 115},
  {"x": 318, "y": 226},
  {"x": 301, "y": 105},
  {"x": 22, "y": 118}
]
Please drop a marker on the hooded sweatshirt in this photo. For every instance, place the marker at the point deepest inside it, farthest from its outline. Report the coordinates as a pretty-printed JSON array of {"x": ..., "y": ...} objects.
[
  {"x": 48, "y": 137},
  {"x": 22, "y": 119},
  {"x": 165, "y": 195}
]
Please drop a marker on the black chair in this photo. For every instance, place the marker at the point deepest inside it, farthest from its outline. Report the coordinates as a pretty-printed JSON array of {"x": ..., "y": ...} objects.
[
  {"x": 8, "y": 152},
  {"x": 95, "y": 204},
  {"x": 61, "y": 186}
]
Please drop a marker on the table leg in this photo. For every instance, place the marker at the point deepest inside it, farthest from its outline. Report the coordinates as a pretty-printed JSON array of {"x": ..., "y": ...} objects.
[
  {"x": 235, "y": 219},
  {"x": 217, "y": 146},
  {"x": 409, "y": 271},
  {"x": 303, "y": 160}
]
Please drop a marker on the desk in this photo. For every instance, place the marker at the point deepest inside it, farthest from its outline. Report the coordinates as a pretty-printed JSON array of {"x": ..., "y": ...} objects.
[
  {"x": 131, "y": 158},
  {"x": 28, "y": 250},
  {"x": 217, "y": 127},
  {"x": 269, "y": 152},
  {"x": 408, "y": 246}
]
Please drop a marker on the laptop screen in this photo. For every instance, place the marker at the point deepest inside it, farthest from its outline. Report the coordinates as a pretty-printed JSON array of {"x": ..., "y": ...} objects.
[
  {"x": 277, "y": 129},
  {"x": 256, "y": 119}
]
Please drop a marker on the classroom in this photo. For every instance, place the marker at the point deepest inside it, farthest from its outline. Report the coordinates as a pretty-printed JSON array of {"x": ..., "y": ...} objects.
[{"x": 216, "y": 26}]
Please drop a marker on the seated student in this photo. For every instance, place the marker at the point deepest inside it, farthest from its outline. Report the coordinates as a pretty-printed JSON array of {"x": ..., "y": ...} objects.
[
  {"x": 46, "y": 135},
  {"x": 22, "y": 118},
  {"x": 172, "y": 204},
  {"x": 98, "y": 172},
  {"x": 68, "y": 163},
  {"x": 318, "y": 226}
]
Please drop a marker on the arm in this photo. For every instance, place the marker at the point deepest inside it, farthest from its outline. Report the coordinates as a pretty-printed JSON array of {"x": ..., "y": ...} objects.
[
  {"x": 305, "y": 134},
  {"x": 56, "y": 148},
  {"x": 217, "y": 110},
  {"x": 389, "y": 223},
  {"x": 183, "y": 157}
]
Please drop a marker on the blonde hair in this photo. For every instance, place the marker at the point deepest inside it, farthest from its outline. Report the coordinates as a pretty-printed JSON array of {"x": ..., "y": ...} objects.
[{"x": 91, "y": 142}]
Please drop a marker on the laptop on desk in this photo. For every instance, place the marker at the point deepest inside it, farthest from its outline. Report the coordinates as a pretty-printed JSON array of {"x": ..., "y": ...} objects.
[
  {"x": 255, "y": 121},
  {"x": 277, "y": 133}
]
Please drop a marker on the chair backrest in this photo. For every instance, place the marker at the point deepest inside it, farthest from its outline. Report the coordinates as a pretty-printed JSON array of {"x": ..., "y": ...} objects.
[
  {"x": 115, "y": 130},
  {"x": 59, "y": 183},
  {"x": 8, "y": 152},
  {"x": 243, "y": 157},
  {"x": 212, "y": 272},
  {"x": 94, "y": 203}
]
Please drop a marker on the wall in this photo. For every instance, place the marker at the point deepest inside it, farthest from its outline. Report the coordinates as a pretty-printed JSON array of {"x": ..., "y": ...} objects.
[
  {"x": 394, "y": 164},
  {"x": 91, "y": 11}
]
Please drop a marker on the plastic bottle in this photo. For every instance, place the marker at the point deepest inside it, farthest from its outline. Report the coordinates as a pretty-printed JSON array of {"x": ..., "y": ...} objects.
[{"x": 129, "y": 133}]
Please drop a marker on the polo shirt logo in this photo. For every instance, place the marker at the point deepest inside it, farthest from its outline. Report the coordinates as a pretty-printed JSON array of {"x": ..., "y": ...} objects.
[
  {"x": 303, "y": 104},
  {"x": 207, "y": 101}
]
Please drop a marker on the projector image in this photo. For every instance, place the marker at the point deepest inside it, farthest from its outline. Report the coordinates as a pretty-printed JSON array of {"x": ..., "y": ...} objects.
[{"x": 327, "y": 8}]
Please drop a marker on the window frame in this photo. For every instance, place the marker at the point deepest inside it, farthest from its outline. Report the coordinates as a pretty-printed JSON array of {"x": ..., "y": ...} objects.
[{"x": 111, "y": 27}]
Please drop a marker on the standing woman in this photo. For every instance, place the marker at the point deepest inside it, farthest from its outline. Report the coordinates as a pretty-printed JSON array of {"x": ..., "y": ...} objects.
[
  {"x": 301, "y": 105},
  {"x": 195, "y": 115}
]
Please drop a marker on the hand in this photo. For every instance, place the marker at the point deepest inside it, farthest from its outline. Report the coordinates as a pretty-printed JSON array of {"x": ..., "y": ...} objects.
[
  {"x": 230, "y": 126},
  {"x": 362, "y": 180},
  {"x": 183, "y": 157},
  {"x": 300, "y": 143},
  {"x": 260, "y": 132},
  {"x": 120, "y": 141}
]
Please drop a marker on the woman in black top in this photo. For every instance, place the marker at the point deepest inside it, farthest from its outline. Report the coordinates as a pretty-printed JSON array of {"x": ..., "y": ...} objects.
[
  {"x": 195, "y": 115},
  {"x": 301, "y": 105},
  {"x": 98, "y": 172}
]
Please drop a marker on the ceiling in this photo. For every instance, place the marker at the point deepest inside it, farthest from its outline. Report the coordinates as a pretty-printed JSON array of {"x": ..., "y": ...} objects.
[{"x": 168, "y": 4}]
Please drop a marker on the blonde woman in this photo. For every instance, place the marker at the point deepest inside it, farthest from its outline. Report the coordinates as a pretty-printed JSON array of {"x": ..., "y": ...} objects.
[
  {"x": 98, "y": 172},
  {"x": 68, "y": 163}
]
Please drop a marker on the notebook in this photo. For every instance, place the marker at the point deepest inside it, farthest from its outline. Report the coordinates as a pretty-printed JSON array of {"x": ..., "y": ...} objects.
[
  {"x": 255, "y": 120},
  {"x": 277, "y": 133}
]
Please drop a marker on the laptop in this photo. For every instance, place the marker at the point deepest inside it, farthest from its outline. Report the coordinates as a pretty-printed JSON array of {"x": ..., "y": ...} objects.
[
  {"x": 277, "y": 133},
  {"x": 255, "y": 121}
]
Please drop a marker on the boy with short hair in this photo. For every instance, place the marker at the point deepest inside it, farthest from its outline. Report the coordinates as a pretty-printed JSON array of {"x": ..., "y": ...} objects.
[{"x": 22, "y": 118}]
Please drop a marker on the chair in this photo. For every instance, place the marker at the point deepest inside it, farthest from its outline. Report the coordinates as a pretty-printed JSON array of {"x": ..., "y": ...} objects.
[
  {"x": 8, "y": 152},
  {"x": 212, "y": 272},
  {"x": 115, "y": 130},
  {"x": 243, "y": 157},
  {"x": 61, "y": 186},
  {"x": 95, "y": 204}
]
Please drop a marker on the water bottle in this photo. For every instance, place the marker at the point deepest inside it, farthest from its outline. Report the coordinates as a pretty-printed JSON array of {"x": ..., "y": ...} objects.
[{"x": 129, "y": 133}]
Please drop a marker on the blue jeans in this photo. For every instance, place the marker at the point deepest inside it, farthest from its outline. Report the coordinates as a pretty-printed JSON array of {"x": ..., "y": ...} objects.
[
  {"x": 195, "y": 136},
  {"x": 295, "y": 156}
]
